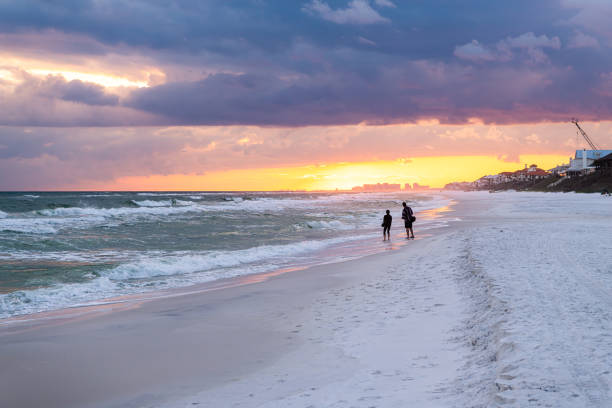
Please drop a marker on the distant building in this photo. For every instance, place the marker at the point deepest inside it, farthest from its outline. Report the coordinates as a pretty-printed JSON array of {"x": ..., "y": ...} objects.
[
  {"x": 560, "y": 170},
  {"x": 486, "y": 181},
  {"x": 417, "y": 186},
  {"x": 407, "y": 187},
  {"x": 378, "y": 187},
  {"x": 530, "y": 173}
]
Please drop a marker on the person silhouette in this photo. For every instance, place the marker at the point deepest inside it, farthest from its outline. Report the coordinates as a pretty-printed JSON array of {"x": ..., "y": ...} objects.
[
  {"x": 409, "y": 218},
  {"x": 386, "y": 224}
]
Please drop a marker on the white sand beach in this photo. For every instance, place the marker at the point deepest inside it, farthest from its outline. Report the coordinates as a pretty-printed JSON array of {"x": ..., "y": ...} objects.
[{"x": 509, "y": 305}]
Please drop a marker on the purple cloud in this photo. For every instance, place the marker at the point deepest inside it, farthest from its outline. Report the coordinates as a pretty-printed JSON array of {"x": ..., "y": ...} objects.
[{"x": 319, "y": 62}]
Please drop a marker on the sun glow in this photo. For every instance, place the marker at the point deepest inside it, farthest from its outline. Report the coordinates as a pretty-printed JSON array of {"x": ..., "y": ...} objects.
[
  {"x": 7, "y": 75},
  {"x": 432, "y": 171},
  {"x": 100, "y": 79},
  {"x": 111, "y": 71}
]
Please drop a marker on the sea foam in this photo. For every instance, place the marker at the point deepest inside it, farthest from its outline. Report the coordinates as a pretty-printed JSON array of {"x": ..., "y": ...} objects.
[
  {"x": 157, "y": 270},
  {"x": 188, "y": 262}
]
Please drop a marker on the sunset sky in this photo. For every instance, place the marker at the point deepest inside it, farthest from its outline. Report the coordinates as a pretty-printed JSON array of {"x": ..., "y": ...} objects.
[{"x": 305, "y": 94}]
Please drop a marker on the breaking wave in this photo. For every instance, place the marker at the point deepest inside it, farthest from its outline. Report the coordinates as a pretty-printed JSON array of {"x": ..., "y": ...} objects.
[{"x": 187, "y": 268}]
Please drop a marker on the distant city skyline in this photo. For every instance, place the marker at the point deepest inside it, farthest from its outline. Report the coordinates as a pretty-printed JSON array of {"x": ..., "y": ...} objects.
[{"x": 385, "y": 187}]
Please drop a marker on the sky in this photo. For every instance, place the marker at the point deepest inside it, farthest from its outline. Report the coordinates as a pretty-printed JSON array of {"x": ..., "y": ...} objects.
[{"x": 304, "y": 94}]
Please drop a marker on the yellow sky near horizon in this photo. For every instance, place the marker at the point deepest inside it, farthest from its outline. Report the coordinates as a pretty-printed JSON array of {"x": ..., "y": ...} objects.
[{"x": 432, "y": 171}]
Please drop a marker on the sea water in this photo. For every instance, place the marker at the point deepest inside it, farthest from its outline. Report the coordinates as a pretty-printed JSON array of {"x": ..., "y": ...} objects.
[{"x": 59, "y": 250}]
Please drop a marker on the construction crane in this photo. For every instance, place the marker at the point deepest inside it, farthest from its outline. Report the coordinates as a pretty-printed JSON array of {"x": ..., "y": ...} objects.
[{"x": 584, "y": 135}]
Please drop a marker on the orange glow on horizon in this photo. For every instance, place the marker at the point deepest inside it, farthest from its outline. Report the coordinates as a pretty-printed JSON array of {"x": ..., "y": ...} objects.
[{"x": 432, "y": 171}]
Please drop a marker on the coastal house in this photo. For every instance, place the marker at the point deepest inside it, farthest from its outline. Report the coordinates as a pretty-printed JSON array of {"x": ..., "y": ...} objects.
[
  {"x": 604, "y": 164},
  {"x": 583, "y": 161},
  {"x": 486, "y": 181},
  {"x": 505, "y": 176},
  {"x": 529, "y": 173},
  {"x": 559, "y": 170},
  {"x": 532, "y": 172}
]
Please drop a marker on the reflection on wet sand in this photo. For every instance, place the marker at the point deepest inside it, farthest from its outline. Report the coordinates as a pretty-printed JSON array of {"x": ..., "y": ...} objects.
[{"x": 435, "y": 213}]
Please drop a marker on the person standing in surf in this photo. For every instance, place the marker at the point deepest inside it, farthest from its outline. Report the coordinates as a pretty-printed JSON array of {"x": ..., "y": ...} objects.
[
  {"x": 409, "y": 218},
  {"x": 386, "y": 224}
]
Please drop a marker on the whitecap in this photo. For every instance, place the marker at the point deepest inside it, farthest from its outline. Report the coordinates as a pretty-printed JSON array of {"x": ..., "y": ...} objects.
[
  {"x": 333, "y": 224},
  {"x": 55, "y": 297},
  {"x": 29, "y": 225},
  {"x": 189, "y": 262}
]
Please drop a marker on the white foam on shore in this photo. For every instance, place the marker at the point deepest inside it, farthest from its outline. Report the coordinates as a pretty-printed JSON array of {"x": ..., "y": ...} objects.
[
  {"x": 55, "y": 297},
  {"x": 155, "y": 270},
  {"x": 188, "y": 262}
]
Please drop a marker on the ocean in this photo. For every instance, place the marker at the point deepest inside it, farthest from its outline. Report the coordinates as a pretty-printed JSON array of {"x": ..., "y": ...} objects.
[{"x": 68, "y": 249}]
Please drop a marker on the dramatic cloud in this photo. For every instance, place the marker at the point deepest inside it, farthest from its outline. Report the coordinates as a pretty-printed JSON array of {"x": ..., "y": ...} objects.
[
  {"x": 53, "y": 101},
  {"x": 273, "y": 81},
  {"x": 75, "y": 91},
  {"x": 267, "y": 100},
  {"x": 315, "y": 62}
]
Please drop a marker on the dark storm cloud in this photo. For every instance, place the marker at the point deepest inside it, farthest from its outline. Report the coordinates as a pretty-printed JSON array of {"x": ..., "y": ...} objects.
[
  {"x": 54, "y": 101},
  {"x": 268, "y": 100},
  {"x": 413, "y": 29},
  {"x": 450, "y": 93},
  {"x": 331, "y": 61},
  {"x": 76, "y": 91}
]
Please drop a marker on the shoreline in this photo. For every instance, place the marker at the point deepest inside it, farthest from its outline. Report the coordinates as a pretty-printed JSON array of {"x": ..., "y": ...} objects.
[
  {"x": 327, "y": 250},
  {"x": 219, "y": 317},
  {"x": 118, "y": 303}
]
